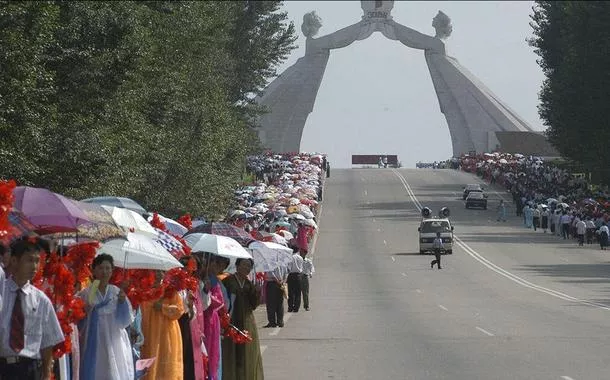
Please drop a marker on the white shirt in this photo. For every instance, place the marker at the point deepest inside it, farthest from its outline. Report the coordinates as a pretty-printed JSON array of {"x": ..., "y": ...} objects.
[
  {"x": 297, "y": 264},
  {"x": 581, "y": 227},
  {"x": 279, "y": 274},
  {"x": 590, "y": 224},
  {"x": 41, "y": 328},
  {"x": 308, "y": 268}
]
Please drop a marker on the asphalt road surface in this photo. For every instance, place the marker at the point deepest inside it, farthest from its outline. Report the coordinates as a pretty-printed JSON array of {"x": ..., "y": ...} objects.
[{"x": 509, "y": 303}]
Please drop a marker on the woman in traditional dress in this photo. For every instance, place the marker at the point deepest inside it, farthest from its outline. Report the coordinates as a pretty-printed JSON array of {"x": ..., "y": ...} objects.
[
  {"x": 213, "y": 293},
  {"x": 242, "y": 361},
  {"x": 162, "y": 339},
  {"x": 192, "y": 328},
  {"x": 105, "y": 352}
]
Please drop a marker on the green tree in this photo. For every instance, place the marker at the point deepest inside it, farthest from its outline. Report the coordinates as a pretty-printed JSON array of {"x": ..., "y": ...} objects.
[{"x": 572, "y": 40}]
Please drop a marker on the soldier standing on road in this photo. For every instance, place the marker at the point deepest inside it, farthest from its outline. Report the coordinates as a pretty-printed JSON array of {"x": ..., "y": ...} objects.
[{"x": 437, "y": 245}]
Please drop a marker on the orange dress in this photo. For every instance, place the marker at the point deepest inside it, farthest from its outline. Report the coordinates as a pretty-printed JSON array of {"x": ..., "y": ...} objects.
[{"x": 162, "y": 339}]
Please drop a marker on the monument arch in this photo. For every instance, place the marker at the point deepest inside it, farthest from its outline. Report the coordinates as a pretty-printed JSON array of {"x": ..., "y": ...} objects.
[{"x": 473, "y": 113}]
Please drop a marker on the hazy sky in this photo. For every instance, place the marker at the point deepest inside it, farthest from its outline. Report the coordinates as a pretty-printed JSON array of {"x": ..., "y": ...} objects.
[{"x": 377, "y": 96}]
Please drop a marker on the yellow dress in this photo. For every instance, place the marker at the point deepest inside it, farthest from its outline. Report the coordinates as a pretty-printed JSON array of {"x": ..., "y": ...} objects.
[{"x": 162, "y": 338}]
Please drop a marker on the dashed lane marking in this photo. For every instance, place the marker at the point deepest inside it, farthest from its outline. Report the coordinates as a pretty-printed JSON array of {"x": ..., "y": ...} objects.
[
  {"x": 443, "y": 307},
  {"x": 393, "y": 259},
  {"x": 484, "y": 331}
]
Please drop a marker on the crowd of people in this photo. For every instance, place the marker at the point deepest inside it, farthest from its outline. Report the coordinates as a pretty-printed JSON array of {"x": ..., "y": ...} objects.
[
  {"x": 71, "y": 311},
  {"x": 547, "y": 197}
]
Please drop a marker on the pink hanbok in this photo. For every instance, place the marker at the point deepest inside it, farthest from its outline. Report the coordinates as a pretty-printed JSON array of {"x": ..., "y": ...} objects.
[
  {"x": 212, "y": 329},
  {"x": 197, "y": 325}
]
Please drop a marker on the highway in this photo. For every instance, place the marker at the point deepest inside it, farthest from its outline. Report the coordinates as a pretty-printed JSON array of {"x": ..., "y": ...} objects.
[{"x": 509, "y": 303}]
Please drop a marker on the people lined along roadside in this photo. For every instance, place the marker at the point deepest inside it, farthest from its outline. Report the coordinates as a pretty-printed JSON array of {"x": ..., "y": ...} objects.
[
  {"x": 547, "y": 197},
  {"x": 98, "y": 291}
]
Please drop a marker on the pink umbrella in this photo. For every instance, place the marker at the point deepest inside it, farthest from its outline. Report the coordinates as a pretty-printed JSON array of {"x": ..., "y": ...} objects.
[{"x": 48, "y": 211}]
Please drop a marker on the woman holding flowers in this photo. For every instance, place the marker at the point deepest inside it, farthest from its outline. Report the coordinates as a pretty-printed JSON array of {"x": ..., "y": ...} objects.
[{"x": 105, "y": 346}]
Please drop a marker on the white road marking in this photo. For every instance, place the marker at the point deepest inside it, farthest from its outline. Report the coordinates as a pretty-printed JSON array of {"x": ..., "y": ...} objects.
[
  {"x": 418, "y": 290},
  {"x": 379, "y": 230},
  {"x": 263, "y": 348},
  {"x": 373, "y": 219},
  {"x": 404, "y": 274},
  {"x": 484, "y": 331},
  {"x": 443, "y": 307},
  {"x": 566, "y": 378},
  {"x": 278, "y": 329},
  {"x": 385, "y": 242},
  {"x": 393, "y": 259},
  {"x": 366, "y": 193},
  {"x": 511, "y": 276}
]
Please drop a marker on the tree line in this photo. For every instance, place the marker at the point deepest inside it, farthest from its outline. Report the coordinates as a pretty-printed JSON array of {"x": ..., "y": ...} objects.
[
  {"x": 572, "y": 39},
  {"x": 146, "y": 99}
]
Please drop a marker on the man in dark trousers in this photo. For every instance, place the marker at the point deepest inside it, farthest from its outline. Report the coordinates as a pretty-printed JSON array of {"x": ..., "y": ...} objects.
[
  {"x": 308, "y": 271},
  {"x": 294, "y": 282},
  {"x": 274, "y": 296},
  {"x": 437, "y": 245}
]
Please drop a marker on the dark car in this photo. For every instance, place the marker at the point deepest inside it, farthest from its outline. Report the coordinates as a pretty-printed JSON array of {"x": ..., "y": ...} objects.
[
  {"x": 476, "y": 199},
  {"x": 469, "y": 188}
]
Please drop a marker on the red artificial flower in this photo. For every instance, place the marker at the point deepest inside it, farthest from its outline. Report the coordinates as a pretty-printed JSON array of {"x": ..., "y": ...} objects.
[
  {"x": 157, "y": 223},
  {"x": 6, "y": 203},
  {"x": 186, "y": 221}
]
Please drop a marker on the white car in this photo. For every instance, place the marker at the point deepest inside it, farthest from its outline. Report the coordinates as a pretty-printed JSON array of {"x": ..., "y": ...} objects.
[{"x": 427, "y": 233}]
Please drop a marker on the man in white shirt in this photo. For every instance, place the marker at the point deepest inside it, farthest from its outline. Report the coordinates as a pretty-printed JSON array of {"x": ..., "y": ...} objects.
[
  {"x": 274, "y": 296},
  {"x": 29, "y": 327},
  {"x": 294, "y": 283},
  {"x": 581, "y": 230},
  {"x": 308, "y": 271}
]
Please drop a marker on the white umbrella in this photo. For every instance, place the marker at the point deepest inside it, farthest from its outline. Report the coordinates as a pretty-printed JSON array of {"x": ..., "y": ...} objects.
[
  {"x": 139, "y": 252},
  {"x": 286, "y": 234},
  {"x": 172, "y": 226},
  {"x": 296, "y": 216},
  {"x": 269, "y": 256},
  {"x": 131, "y": 221},
  {"x": 310, "y": 222},
  {"x": 218, "y": 245}
]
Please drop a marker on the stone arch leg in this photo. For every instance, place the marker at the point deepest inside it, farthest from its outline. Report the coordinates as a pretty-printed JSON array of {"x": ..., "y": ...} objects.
[{"x": 290, "y": 98}]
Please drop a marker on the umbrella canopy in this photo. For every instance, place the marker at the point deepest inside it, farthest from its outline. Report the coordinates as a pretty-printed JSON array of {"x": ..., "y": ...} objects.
[
  {"x": 102, "y": 228},
  {"x": 216, "y": 244},
  {"x": 224, "y": 229},
  {"x": 285, "y": 234},
  {"x": 269, "y": 256},
  {"x": 19, "y": 226},
  {"x": 139, "y": 252},
  {"x": 170, "y": 243},
  {"x": 48, "y": 211},
  {"x": 171, "y": 225},
  {"x": 131, "y": 221},
  {"x": 120, "y": 202}
]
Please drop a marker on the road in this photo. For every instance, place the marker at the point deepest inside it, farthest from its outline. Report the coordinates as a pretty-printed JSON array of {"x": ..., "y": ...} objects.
[{"x": 509, "y": 303}]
